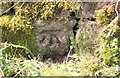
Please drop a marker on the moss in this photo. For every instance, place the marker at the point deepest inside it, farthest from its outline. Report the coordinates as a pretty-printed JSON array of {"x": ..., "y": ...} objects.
[
  {"x": 108, "y": 47},
  {"x": 105, "y": 15},
  {"x": 19, "y": 29},
  {"x": 84, "y": 39},
  {"x": 33, "y": 11}
]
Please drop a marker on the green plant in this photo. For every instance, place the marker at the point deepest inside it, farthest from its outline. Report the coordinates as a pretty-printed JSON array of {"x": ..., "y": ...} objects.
[
  {"x": 107, "y": 71},
  {"x": 109, "y": 46},
  {"x": 21, "y": 27},
  {"x": 87, "y": 64},
  {"x": 107, "y": 12},
  {"x": 10, "y": 49},
  {"x": 11, "y": 65},
  {"x": 84, "y": 41},
  {"x": 30, "y": 12},
  {"x": 20, "y": 67}
]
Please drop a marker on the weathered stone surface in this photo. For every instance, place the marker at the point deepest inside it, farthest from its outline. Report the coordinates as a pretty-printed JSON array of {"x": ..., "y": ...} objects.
[
  {"x": 86, "y": 37},
  {"x": 89, "y": 9},
  {"x": 53, "y": 37}
]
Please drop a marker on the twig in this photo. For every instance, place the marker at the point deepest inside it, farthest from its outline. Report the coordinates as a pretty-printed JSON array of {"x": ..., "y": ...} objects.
[
  {"x": 111, "y": 24},
  {"x": 20, "y": 71},
  {"x": 68, "y": 54},
  {"x": 4, "y": 48},
  {"x": 117, "y": 7},
  {"x": 113, "y": 21},
  {"x": 109, "y": 33},
  {"x": 17, "y": 12},
  {"x": 8, "y": 9},
  {"x": 1, "y": 73}
]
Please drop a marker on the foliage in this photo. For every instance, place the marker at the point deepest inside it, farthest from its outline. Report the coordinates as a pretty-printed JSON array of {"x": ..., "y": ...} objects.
[
  {"x": 20, "y": 28},
  {"x": 109, "y": 50},
  {"x": 29, "y": 12},
  {"x": 107, "y": 71},
  {"x": 18, "y": 24},
  {"x": 109, "y": 39},
  {"x": 107, "y": 12},
  {"x": 84, "y": 41},
  {"x": 18, "y": 67},
  {"x": 86, "y": 65},
  {"x": 11, "y": 50}
]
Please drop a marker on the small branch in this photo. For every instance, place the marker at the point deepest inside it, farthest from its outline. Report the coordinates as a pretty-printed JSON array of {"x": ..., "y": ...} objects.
[
  {"x": 20, "y": 71},
  {"x": 115, "y": 20},
  {"x": 8, "y": 9},
  {"x": 1, "y": 73},
  {"x": 109, "y": 33},
  {"x": 17, "y": 12},
  {"x": 111, "y": 24},
  {"x": 68, "y": 54},
  {"x": 117, "y": 7}
]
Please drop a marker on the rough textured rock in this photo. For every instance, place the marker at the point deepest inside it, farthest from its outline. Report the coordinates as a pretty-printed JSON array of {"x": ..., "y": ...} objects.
[
  {"x": 53, "y": 37},
  {"x": 86, "y": 35},
  {"x": 89, "y": 9}
]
